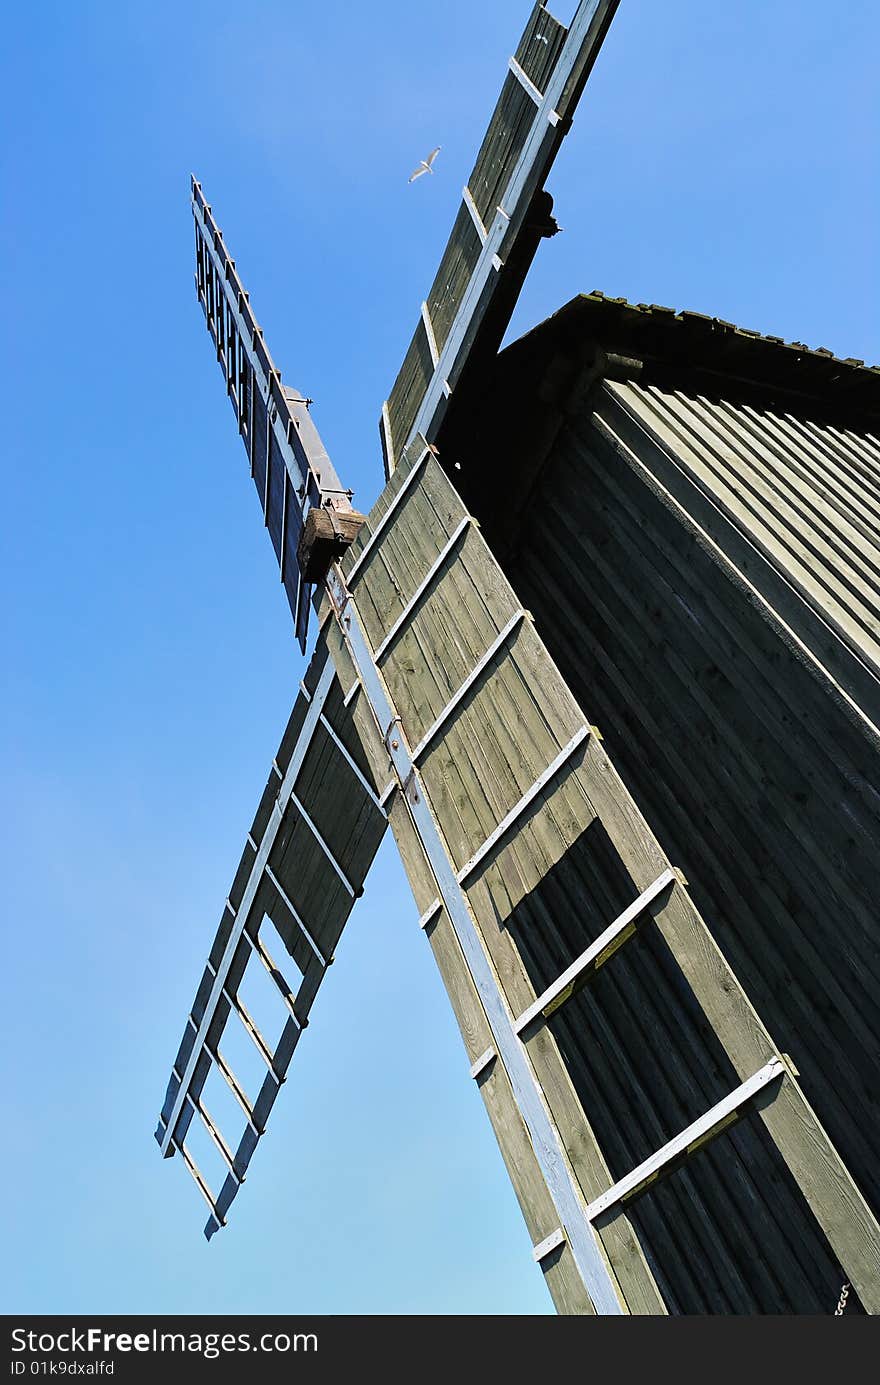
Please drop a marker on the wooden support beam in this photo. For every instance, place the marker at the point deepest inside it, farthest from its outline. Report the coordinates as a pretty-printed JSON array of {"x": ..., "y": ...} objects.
[{"x": 327, "y": 534}]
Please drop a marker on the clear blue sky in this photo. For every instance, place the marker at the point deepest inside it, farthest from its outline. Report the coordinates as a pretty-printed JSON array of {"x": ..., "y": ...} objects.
[{"x": 725, "y": 159}]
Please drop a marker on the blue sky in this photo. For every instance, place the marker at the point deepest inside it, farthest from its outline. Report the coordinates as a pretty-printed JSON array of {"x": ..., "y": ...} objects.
[{"x": 724, "y": 159}]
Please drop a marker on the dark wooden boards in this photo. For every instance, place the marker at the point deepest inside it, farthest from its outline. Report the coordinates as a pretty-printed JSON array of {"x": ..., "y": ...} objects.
[
  {"x": 758, "y": 775},
  {"x": 806, "y": 496}
]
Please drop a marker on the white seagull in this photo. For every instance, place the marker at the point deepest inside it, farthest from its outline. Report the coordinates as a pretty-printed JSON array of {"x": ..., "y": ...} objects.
[{"x": 425, "y": 165}]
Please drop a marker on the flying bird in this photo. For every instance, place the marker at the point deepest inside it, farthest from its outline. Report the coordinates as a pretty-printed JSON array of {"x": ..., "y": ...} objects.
[{"x": 425, "y": 165}]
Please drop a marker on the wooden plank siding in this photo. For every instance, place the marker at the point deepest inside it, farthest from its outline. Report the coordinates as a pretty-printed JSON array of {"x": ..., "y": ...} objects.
[
  {"x": 665, "y": 1030},
  {"x": 491, "y": 228},
  {"x": 760, "y": 781},
  {"x": 807, "y": 496}
]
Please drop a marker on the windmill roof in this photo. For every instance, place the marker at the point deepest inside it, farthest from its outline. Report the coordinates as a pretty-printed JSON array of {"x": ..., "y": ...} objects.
[{"x": 662, "y": 342}]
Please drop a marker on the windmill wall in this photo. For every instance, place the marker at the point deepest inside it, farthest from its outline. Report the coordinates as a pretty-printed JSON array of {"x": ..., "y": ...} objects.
[
  {"x": 703, "y": 564},
  {"x": 758, "y": 772}
]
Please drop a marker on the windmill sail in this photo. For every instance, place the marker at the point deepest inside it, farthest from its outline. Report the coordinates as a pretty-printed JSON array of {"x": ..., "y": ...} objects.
[
  {"x": 500, "y": 221},
  {"x": 290, "y": 468},
  {"x": 319, "y": 822},
  {"x": 313, "y": 839},
  {"x": 286, "y": 854}
]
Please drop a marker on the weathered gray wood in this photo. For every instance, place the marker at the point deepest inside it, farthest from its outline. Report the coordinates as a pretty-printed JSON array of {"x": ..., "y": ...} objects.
[
  {"x": 831, "y": 1193},
  {"x": 560, "y": 1272},
  {"x": 849, "y": 681},
  {"x": 820, "y": 550},
  {"x": 724, "y": 718},
  {"x": 808, "y": 851},
  {"x": 327, "y": 533}
]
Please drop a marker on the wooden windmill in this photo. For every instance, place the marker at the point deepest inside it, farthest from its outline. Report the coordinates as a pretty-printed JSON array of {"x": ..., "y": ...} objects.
[{"x": 661, "y": 474}]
